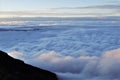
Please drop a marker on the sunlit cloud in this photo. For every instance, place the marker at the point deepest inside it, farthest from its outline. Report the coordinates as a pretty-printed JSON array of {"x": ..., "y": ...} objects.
[
  {"x": 65, "y": 14},
  {"x": 105, "y": 67}
]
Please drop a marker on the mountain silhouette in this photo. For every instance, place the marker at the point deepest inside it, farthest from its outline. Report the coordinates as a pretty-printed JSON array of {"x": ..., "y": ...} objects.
[{"x": 14, "y": 69}]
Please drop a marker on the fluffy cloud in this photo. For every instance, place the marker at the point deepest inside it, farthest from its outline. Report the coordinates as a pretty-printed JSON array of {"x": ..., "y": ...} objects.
[
  {"x": 112, "y": 54},
  {"x": 105, "y": 67},
  {"x": 16, "y": 54}
]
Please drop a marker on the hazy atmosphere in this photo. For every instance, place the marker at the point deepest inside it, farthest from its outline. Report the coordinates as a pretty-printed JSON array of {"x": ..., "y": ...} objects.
[
  {"x": 54, "y": 8},
  {"x": 75, "y": 39}
]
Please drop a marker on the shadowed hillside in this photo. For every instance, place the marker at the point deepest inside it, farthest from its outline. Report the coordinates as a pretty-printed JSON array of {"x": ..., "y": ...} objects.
[{"x": 14, "y": 69}]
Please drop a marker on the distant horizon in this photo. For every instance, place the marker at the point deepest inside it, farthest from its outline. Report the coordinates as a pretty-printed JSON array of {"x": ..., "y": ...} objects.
[
  {"x": 59, "y": 8},
  {"x": 20, "y": 15}
]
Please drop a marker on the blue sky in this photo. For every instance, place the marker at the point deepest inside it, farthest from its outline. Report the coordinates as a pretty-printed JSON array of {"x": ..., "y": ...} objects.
[{"x": 60, "y": 7}]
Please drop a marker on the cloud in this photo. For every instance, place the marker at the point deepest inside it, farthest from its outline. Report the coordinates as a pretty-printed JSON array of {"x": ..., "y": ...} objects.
[
  {"x": 105, "y": 67},
  {"x": 59, "y": 14},
  {"x": 16, "y": 54},
  {"x": 92, "y": 7},
  {"x": 94, "y": 10},
  {"x": 113, "y": 54}
]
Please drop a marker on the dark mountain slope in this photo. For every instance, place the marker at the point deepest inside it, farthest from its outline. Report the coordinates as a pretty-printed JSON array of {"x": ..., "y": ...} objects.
[{"x": 14, "y": 69}]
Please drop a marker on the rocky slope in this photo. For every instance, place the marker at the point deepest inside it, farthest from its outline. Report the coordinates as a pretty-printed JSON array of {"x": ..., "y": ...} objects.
[{"x": 14, "y": 69}]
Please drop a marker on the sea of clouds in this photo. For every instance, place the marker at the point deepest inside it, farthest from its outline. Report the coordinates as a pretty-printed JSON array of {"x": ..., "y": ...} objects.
[
  {"x": 73, "y": 48},
  {"x": 53, "y": 21},
  {"x": 105, "y": 67}
]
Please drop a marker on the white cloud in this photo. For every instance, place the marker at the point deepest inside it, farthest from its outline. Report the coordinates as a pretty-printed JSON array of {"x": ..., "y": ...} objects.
[
  {"x": 16, "y": 54},
  {"x": 106, "y": 67}
]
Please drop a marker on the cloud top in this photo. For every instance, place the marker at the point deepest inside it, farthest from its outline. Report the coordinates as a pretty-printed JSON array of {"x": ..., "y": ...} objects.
[{"x": 105, "y": 67}]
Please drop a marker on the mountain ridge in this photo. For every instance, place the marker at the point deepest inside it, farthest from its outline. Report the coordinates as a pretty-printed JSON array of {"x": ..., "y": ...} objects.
[{"x": 14, "y": 69}]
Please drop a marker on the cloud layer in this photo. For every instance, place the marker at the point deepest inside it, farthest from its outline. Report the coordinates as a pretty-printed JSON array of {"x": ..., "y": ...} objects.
[
  {"x": 105, "y": 67},
  {"x": 92, "y": 7},
  {"x": 94, "y": 10}
]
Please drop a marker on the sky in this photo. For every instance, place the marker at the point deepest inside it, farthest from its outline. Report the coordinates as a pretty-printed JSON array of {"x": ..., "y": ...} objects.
[{"x": 65, "y": 8}]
